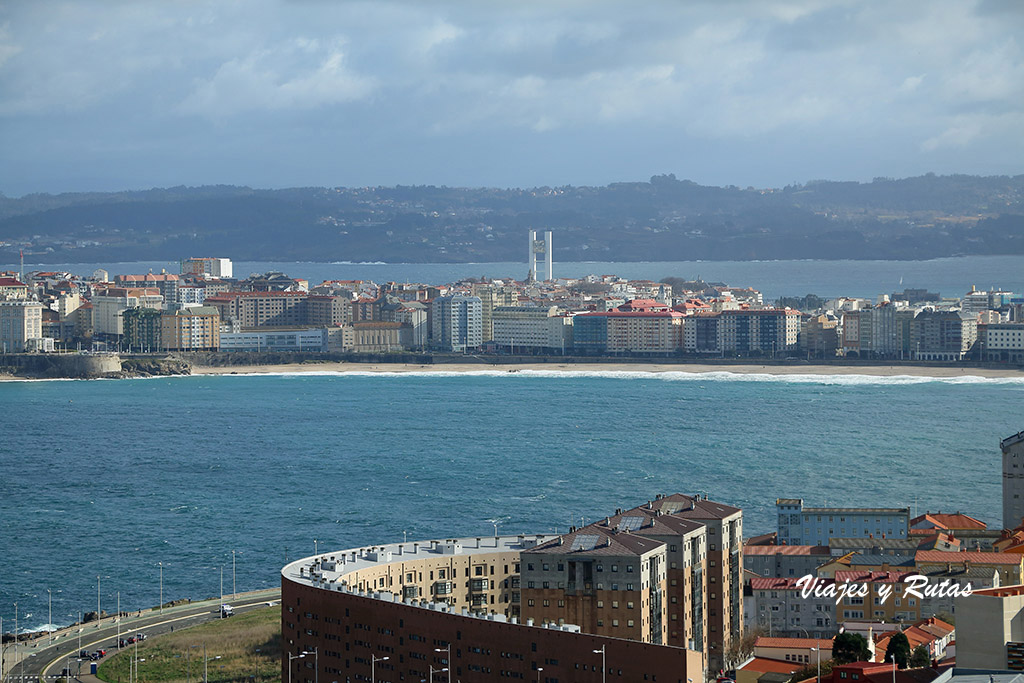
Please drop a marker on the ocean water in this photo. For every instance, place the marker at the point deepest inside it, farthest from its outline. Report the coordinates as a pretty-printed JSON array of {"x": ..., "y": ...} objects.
[
  {"x": 110, "y": 478},
  {"x": 946, "y": 276}
]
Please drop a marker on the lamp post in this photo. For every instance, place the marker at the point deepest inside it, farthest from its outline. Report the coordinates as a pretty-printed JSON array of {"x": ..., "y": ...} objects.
[
  {"x": 117, "y": 620},
  {"x": 539, "y": 669},
  {"x": 447, "y": 649},
  {"x": 222, "y": 591},
  {"x": 161, "y": 587},
  {"x": 291, "y": 658},
  {"x": 604, "y": 669},
  {"x": 206, "y": 673},
  {"x": 316, "y": 551},
  {"x": 234, "y": 591},
  {"x": 818, "y": 650},
  {"x": 49, "y": 615},
  {"x": 373, "y": 667},
  {"x": 257, "y": 658},
  {"x": 316, "y": 663},
  {"x": 98, "y": 612},
  {"x": 432, "y": 670}
]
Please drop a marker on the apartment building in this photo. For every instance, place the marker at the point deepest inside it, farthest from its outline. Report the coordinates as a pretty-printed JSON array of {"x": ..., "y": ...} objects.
[
  {"x": 532, "y": 329},
  {"x": 141, "y": 329},
  {"x": 798, "y": 525},
  {"x": 190, "y": 329},
  {"x": 639, "y": 326},
  {"x": 21, "y": 321},
  {"x": 1013, "y": 480},
  {"x": 457, "y": 323},
  {"x": 407, "y": 611},
  {"x": 209, "y": 268},
  {"x": 784, "y": 561},
  {"x": 777, "y": 606},
  {"x": 261, "y": 309},
  {"x": 109, "y": 304},
  {"x": 1002, "y": 342},
  {"x": 684, "y": 590},
  {"x": 942, "y": 335}
]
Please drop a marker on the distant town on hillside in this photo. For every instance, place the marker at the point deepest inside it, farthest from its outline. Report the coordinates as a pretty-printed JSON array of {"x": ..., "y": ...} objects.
[{"x": 663, "y": 219}]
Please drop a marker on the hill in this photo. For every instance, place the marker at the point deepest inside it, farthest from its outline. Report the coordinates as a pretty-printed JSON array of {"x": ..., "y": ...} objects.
[{"x": 663, "y": 219}]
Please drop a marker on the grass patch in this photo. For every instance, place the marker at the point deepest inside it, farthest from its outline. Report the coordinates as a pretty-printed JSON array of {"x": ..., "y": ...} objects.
[{"x": 235, "y": 640}]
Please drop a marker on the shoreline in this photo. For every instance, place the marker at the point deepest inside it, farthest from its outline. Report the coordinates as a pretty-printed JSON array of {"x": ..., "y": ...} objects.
[{"x": 938, "y": 372}]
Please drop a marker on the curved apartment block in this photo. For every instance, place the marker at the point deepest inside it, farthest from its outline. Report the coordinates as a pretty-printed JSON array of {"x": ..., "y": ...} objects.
[{"x": 453, "y": 610}]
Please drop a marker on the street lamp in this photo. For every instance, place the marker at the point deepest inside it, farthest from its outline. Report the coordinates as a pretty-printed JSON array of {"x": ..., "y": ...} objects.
[
  {"x": 818, "y": 650},
  {"x": 161, "y": 587},
  {"x": 291, "y": 658},
  {"x": 539, "y": 669},
  {"x": 49, "y": 615},
  {"x": 98, "y": 613},
  {"x": 373, "y": 667},
  {"x": 316, "y": 550},
  {"x": 206, "y": 660},
  {"x": 316, "y": 663},
  {"x": 447, "y": 649},
  {"x": 432, "y": 670},
  {"x": 234, "y": 591},
  {"x": 604, "y": 669},
  {"x": 257, "y": 658}
]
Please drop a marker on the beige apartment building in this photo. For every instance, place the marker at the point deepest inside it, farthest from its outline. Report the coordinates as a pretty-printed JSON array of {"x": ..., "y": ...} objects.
[
  {"x": 261, "y": 309},
  {"x": 190, "y": 329},
  {"x": 668, "y": 572},
  {"x": 20, "y": 321},
  {"x": 108, "y": 305}
]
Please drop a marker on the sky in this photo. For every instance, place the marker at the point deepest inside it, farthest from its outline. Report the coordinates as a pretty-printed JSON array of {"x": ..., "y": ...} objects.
[{"x": 104, "y": 95}]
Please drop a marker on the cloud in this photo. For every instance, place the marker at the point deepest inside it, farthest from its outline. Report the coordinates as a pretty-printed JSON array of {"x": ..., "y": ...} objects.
[
  {"x": 921, "y": 76},
  {"x": 300, "y": 74}
]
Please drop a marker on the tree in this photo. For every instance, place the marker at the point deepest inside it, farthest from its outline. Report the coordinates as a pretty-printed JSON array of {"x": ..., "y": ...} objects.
[
  {"x": 898, "y": 650},
  {"x": 850, "y": 647},
  {"x": 811, "y": 671},
  {"x": 741, "y": 648},
  {"x": 920, "y": 657}
]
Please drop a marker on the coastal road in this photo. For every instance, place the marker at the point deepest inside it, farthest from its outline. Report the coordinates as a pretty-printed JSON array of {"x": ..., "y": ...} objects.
[{"x": 45, "y": 662}]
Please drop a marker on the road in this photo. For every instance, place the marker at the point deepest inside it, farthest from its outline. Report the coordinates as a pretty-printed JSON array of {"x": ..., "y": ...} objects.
[{"x": 46, "y": 661}]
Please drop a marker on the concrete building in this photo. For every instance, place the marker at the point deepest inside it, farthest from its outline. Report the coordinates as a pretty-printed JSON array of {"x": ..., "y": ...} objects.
[
  {"x": 141, "y": 330},
  {"x": 211, "y": 268},
  {"x": 783, "y": 561},
  {"x": 544, "y": 247},
  {"x": 532, "y": 329},
  {"x": 261, "y": 309},
  {"x": 942, "y": 335},
  {"x": 21, "y": 322},
  {"x": 990, "y": 629},
  {"x": 328, "y": 311},
  {"x": 1013, "y": 480},
  {"x": 1002, "y": 342},
  {"x": 819, "y": 336},
  {"x": 457, "y": 322},
  {"x": 641, "y": 326},
  {"x": 816, "y": 526},
  {"x": 165, "y": 283},
  {"x": 298, "y": 340},
  {"x": 109, "y": 305},
  {"x": 406, "y": 611},
  {"x": 378, "y": 336},
  {"x": 190, "y": 329},
  {"x": 12, "y": 288},
  {"x": 777, "y": 607}
]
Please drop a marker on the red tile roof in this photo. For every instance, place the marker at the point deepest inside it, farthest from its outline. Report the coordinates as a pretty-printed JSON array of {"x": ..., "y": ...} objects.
[
  {"x": 941, "y": 556},
  {"x": 765, "y": 665},
  {"x": 955, "y": 521},
  {"x": 767, "y": 641},
  {"x": 786, "y": 550}
]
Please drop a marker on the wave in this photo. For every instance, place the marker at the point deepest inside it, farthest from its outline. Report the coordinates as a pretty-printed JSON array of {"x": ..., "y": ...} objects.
[{"x": 665, "y": 376}]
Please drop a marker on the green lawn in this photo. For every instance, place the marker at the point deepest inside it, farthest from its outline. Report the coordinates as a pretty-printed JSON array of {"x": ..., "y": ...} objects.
[{"x": 245, "y": 647}]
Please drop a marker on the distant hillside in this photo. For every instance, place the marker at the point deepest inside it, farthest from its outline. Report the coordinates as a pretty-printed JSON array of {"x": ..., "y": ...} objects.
[{"x": 664, "y": 219}]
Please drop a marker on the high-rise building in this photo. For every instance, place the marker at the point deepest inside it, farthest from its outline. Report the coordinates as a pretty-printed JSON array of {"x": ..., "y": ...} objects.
[
  {"x": 457, "y": 322},
  {"x": 21, "y": 320},
  {"x": 668, "y": 572},
  {"x": 214, "y": 268},
  {"x": 799, "y": 525},
  {"x": 1013, "y": 480}
]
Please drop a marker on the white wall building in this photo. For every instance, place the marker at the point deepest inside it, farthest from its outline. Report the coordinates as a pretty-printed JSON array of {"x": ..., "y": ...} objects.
[
  {"x": 21, "y": 322},
  {"x": 211, "y": 268},
  {"x": 530, "y": 328},
  {"x": 309, "y": 340},
  {"x": 457, "y": 322},
  {"x": 108, "y": 307}
]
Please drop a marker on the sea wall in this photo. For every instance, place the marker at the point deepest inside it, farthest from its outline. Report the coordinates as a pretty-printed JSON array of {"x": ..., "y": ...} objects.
[{"x": 57, "y": 365}]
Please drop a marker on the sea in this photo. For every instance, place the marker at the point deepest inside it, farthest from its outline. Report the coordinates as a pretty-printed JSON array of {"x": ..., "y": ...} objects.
[
  {"x": 215, "y": 482},
  {"x": 223, "y": 479}
]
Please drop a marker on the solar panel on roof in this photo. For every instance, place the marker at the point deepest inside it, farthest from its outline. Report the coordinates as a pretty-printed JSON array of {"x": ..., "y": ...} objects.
[
  {"x": 630, "y": 523},
  {"x": 584, "y": 542}
]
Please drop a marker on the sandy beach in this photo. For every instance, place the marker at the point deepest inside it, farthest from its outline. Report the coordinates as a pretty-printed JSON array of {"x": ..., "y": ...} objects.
[{"x": 740, "y": 369}]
